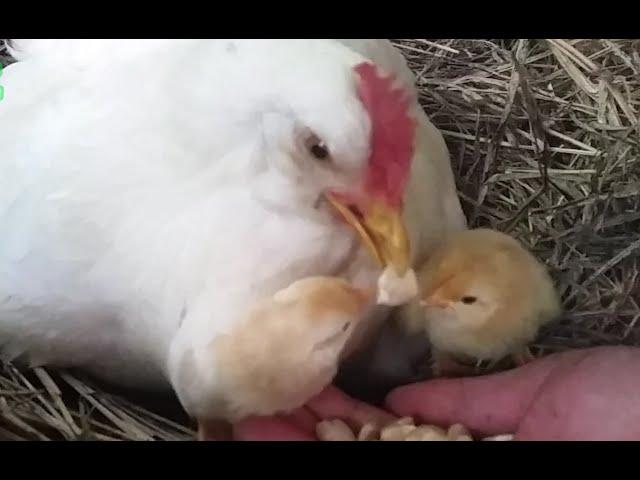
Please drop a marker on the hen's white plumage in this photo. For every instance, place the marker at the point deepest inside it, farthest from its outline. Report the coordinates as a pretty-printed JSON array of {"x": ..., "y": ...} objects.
[{"x": 151, "y": 190}]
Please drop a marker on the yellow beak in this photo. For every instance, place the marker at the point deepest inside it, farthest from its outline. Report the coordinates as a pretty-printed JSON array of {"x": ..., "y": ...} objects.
[
  {"x": 435, "y": 301},
  {"x": 382, "y": 231}
]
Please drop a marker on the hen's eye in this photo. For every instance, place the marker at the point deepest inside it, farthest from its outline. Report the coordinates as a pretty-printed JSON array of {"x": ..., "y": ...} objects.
[
  {"x": 320, "y": 151},
  {"x": 469, "y": 300},
  {"x": 317, "y": 148}
]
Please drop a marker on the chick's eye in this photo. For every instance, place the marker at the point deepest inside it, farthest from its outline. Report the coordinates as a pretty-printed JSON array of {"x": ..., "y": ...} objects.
[
  {"x": 346, "y": 326},
  {"x": 469, "y": 300},
  {"x": 317, "y": 148}
]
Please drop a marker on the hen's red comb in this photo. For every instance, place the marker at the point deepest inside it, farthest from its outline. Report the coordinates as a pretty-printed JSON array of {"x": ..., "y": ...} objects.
[{"x": 392, "y": 134}]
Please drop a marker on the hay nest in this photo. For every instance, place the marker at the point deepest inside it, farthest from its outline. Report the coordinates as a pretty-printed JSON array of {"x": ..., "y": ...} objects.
[{"x": 545, "y": 145}]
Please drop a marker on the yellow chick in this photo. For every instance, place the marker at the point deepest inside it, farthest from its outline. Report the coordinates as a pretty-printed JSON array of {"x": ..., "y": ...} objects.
[
  {"x": 482, "y": 296},
  {"x": 283, "y": 352}
]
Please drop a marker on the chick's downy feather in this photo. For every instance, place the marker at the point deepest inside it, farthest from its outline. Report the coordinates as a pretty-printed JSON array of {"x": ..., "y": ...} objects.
[
  {"x": 148, "y": 201},
  {"x": 483, "y": 296},
  {"x": 282, "y": 352}
]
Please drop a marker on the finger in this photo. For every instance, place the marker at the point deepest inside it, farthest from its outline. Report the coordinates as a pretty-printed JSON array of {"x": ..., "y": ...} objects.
[
  {"x": 333, "y": 403},
  {"x": 269, "y": 429},
  {"x": 488, "y": 405},
  {"x": 303, "y": 418}
]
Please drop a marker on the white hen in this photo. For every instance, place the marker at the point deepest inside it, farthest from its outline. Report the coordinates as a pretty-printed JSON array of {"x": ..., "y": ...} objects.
[{"x": 152, "y": 190}]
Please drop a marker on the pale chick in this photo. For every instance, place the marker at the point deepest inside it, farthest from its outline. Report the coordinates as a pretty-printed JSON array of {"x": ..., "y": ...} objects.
[
  {"x": 483, "y": 296},
  {"x": 284, "y": 351}
]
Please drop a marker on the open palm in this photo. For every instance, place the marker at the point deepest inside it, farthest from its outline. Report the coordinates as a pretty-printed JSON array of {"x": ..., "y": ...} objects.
[{"x": 591, "y": 394}]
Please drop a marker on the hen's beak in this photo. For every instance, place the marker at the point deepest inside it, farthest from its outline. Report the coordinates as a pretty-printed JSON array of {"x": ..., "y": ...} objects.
[{"x": 381, "y": 229}]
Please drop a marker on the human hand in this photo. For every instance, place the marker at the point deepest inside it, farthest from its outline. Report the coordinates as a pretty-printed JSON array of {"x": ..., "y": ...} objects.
[
  {"x": 591, "y": 394},
  {"x": 301, "y": 424}
]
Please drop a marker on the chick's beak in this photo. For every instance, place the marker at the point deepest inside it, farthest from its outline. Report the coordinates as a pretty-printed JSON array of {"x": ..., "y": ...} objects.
[
  {"x": 381, "y": 229},
  {"x": 435, "y": 301}
]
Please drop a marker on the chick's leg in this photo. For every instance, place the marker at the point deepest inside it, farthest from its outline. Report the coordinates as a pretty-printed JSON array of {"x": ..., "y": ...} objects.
[
  {"x": 446, "y": 365},
  {"x": 214, "y": 430},
  {"x": 523, "y": 356}
]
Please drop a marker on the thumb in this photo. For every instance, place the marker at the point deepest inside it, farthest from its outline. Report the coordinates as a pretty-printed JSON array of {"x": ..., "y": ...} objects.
[{"x": 487, "y": 405}]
